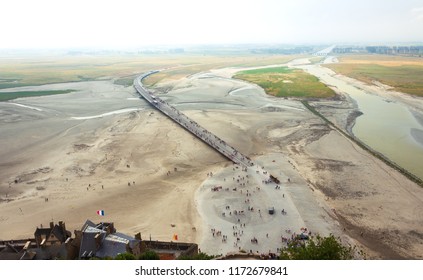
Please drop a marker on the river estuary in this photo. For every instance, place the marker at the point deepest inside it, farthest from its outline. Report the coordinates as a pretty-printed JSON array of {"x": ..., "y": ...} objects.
[{"x": 387, "y": 125}]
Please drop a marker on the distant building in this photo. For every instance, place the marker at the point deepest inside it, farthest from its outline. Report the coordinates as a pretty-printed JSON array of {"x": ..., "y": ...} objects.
[{"x": 388, "y": 50}]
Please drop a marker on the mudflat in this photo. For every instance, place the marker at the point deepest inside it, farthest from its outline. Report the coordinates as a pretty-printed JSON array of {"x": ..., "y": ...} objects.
[{"x": 102, "y": 148}]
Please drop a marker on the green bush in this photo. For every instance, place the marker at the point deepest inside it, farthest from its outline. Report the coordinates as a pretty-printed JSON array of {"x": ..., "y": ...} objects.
[
  {"x": 317, "y": 248},
  {"x": 125, "y": 256},
  {"x": 149, "y": 255}
]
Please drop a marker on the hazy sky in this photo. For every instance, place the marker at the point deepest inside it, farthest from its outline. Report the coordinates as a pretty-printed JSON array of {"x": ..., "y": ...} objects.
[{"x": 130, "y": 23}]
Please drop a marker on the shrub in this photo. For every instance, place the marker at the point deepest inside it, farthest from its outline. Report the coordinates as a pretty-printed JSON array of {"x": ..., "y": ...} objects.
[
  {"x": 125, "y": 256},
  {"x": 149, "y": 255},
  {"x": 317, "y": 248}
]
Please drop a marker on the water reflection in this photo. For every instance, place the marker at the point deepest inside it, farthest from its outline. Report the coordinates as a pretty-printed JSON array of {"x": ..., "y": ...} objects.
[{"x": 386, "y": 126}]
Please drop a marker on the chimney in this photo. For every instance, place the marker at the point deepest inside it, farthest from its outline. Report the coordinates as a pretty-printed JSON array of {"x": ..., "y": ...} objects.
[
  {"x": 97, "y": 238},
  {"x": 27, "y": 245},
  {"x": 51, "y": 225},
  {"x": 62, "y": 225},
  {"x": 110, "y": 228}
]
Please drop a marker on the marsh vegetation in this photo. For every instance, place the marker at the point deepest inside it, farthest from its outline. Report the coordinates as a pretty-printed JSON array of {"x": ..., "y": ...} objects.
[
  {"x": 404, "y": 74},
  {"x": 287, "y": 82}
]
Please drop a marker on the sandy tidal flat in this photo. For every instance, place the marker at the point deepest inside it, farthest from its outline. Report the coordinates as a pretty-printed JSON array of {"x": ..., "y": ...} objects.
[{"x": 153, "y": 177}]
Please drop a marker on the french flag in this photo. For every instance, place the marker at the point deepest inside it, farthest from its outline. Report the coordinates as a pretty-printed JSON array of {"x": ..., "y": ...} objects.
[{"x": 100, "y": 212}]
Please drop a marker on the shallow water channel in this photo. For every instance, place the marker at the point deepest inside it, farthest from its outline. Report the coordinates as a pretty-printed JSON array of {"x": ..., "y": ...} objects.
[{"x": 387, "y": 126}]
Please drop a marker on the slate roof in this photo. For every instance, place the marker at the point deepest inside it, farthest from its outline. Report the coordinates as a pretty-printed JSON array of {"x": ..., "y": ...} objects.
[
  {"x": 110, "y": 244},
  {"x": 10, "y": 252},
  {"x": 57, "y": 231}
]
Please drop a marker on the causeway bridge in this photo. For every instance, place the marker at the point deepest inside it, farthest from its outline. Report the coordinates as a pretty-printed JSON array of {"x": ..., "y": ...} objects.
[{"x": 209, "y": 138}]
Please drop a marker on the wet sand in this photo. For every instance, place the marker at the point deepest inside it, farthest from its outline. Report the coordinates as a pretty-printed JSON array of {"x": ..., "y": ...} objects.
[{"x": 120, "y": 163}]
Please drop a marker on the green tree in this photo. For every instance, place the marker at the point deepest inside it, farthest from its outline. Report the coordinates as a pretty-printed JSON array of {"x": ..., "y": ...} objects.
[
  {"x": 125, "y": 256},
  {"x": 149, "y": 255},
  {"x": 317, "y": 248}
]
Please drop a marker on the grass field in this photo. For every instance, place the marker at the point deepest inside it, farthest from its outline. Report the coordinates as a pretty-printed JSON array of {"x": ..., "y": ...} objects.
[
  {"x": 286, "y": 82},
  {"x": 404, "y": 74},
  {"x": 17, "y": 72},
  {"x": 316, "y": 59},
  {"x": 5, "y": 96},
  {"x": 47, "y": 70},
  {"x": 201, "y": 64}
]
